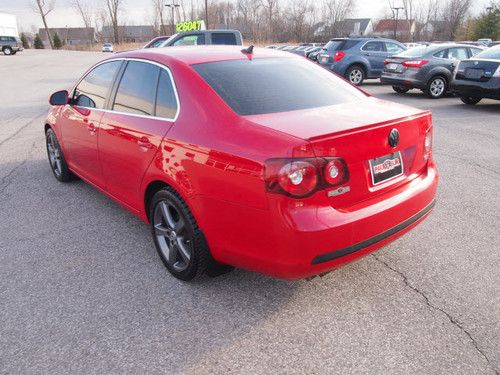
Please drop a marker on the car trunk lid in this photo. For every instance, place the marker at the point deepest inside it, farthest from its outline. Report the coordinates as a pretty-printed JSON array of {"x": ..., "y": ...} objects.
[
  {"x": 477, "y": 69},
  {"x": 359, "y": 133}
]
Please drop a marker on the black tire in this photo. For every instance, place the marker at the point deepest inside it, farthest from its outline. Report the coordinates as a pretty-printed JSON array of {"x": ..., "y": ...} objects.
[
  {"x": 169, "y": 214},
  {"x": 355, "y": 74},
  {"x": 13, "y": 53},
  {"x": 437, "y": 87},
  {"x": 56, "y": 158},
  {"x": 400, "y": 89},
  {"x": 7, "y": 51},
  {"x": 470, "y": 100}
]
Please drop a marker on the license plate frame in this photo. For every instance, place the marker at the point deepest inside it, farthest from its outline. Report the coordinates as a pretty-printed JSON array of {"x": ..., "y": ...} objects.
[
  {"x": 385, "y": 168},
  {"x": 472, "y": 73}
]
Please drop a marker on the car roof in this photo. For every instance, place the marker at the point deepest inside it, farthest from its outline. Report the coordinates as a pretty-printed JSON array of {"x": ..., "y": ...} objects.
[{"x": 201, "y": 54}]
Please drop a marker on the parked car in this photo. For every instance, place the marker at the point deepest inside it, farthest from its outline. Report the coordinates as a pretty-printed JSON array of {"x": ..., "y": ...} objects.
[
  {"x": 478, "y": 77},
  {"x": 107, "y": 47},
  {"x": 313, "y": 52},
  {"x": 10, "y": 45},
  {"x": 428, "y": 68},
  {"x": 157, "y": 42},
  {"x": 485, "y": 41},
  {"x": 358, "y": 58},
  {"x": 209, "y": 158},
  {"x": 201, "y": 37}
]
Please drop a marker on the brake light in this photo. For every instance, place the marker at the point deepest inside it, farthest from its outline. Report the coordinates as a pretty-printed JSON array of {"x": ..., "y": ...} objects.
[
  {"x": 301, "y": 177},
  {"x": 336, "y": 172},
  {"x": 415, "y": 63},
  {"x": 338, "y": 56},
  {"x": 428, "y": 144},
  {"x": 386, "y": 62}
]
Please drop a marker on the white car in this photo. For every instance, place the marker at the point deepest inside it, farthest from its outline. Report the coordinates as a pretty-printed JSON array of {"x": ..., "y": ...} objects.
[{"x": 107, "y": 47}]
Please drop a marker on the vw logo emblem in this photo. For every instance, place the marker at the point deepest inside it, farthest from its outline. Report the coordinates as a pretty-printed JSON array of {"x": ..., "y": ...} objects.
[
  {"x": 476, "y": 62},
  {"x": 394, "y": 137}
]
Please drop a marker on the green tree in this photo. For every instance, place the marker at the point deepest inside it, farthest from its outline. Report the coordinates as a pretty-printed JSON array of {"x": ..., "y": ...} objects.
[
  {"x": 57, "y": 41},
  {"x": 24, "y": 41},
  {"x": 488, "y": 23},
  {"x": 38, "y": 42}
]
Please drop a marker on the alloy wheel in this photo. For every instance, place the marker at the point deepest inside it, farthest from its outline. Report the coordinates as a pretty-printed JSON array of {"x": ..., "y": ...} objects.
[
  {"x": 437, "y": 87},
  {"x": 54, "y": 154},
  {"x": 172, "y": 234},
  {"x": 356, "y": 76}
]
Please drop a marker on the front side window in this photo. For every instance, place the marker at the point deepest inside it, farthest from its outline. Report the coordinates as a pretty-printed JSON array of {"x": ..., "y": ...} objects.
[
  {"x": 393, "y": 48},
  {"x": 458, "y": 53},
  {"x": 224, "y": 38},
  {"x": 271, "y": 85},
  {"x": 190, "y": 40},
  {"x": 166, "y": 103},
  {"x": 92, "y": 90},
  {"x": 137, "y": 89}
]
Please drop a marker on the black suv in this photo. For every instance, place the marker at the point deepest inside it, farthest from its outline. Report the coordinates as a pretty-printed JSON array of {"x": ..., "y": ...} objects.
[{"x": 10, "y": 45}]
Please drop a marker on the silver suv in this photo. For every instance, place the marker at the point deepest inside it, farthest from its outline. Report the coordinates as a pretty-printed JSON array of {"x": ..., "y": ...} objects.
[{"x": 10, "y": 45}]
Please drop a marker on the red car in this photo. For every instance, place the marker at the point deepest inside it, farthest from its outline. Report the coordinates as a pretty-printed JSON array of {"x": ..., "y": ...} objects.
[{"x": 257, "y": 159}]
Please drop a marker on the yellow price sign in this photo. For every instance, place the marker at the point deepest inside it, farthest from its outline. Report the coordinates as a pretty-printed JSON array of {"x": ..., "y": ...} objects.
[{"x": 190, "y": 26}]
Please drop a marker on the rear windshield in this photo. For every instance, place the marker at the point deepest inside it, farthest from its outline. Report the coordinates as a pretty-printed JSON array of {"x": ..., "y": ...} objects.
[
  {"x": 492, "y": 53},
  {"x": 258, "y": 86},
  {"x": 340, "y": 45},
  {"x": 415, "y": 52}
]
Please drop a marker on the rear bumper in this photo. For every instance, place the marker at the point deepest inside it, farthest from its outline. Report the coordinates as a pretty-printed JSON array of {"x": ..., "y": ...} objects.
[
  {"x": 490, "y": 89},
  {"x": 291, "y": 240},
  {"x": 402, "y": 80}
]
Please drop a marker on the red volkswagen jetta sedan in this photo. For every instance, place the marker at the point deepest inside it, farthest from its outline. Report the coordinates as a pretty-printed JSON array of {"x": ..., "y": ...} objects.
[{"x": 255, "y": 159}]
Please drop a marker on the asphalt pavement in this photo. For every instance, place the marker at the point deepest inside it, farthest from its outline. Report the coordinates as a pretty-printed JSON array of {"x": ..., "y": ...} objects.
[{"x": 82, "y": 290}]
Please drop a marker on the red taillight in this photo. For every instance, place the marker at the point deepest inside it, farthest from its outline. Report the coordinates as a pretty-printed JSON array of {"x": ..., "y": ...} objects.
[
  {"x": 338, "y": 56},
  {"x": 386, "y": 62},
  {"x": 336, "y": 172},
  {"x": 301, "y": 177},
  {"x": 428, "y": 144},
  {"x": 415, "y": 63}
]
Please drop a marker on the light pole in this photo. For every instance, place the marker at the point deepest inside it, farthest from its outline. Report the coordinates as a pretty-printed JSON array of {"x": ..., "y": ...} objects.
[
  {"x": 206, "y": 14},
  {"x": 397, "y": 9},
  {"x": 173, "y": 6}
]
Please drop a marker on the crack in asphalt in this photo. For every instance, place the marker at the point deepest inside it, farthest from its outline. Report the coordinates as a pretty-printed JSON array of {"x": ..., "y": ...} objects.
[
  {"x": 5, "y": 182},
  {"x": 468, "y": 161},
  {"x": 453, "y": 320},
  {"x": 20, "y": 129}
]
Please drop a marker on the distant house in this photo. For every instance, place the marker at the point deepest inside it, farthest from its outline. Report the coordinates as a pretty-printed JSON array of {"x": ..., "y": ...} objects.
[
  {"x": 129, "y": 34},
  {"x": 433, "y": 30},
  {"x": 354, "y": 27},
  {"x": 385, "y": 28},
  {"x": 73, "y": 36}
]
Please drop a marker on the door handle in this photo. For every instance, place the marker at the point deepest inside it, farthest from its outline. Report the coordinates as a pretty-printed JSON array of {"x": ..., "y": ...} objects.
[
  {"x": 144, "y": 142},
  {"x": 92, "y": 128}
]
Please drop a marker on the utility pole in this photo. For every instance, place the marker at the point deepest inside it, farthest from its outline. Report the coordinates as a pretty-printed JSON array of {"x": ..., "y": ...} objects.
[
  {"x": 173, "y": 6},
  {"x": 206, "y": 14},
  {"x": 396, "y": 9}
]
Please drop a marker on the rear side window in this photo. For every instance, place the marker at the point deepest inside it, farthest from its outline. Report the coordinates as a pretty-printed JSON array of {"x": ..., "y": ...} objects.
[
  {"x": 259, "y": 86},
  {"x": 374, "y": 47},
  {"x": 166, "y": 103},
  {"x": 224, "y": 38},
  {"x": 137, "y": 89},
  {"x": 443, "y": 54},
  {"x": 92, "y": 91},
  {"x": 475, "y": 51}
]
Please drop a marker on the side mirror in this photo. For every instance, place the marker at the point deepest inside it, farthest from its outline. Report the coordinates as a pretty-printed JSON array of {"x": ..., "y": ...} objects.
[{"x": 59, "y": 98}]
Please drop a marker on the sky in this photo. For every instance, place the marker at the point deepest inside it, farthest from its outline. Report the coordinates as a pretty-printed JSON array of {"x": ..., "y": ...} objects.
[{"x": 137, "y": 12}]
